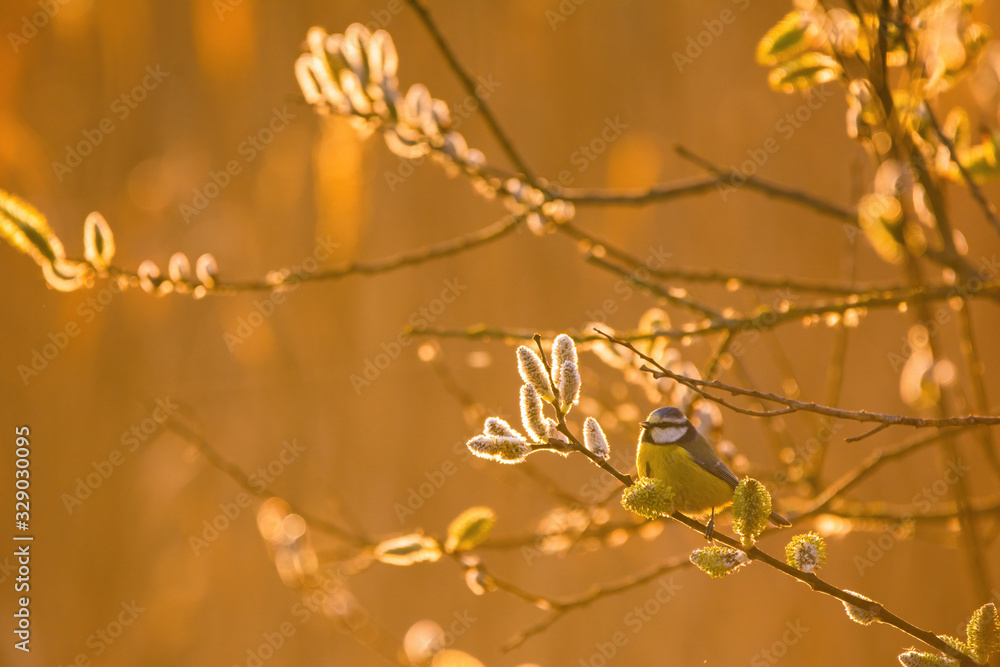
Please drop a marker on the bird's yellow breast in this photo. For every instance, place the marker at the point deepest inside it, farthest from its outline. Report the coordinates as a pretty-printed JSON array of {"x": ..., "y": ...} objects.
[{"x": 696, "y": 490}]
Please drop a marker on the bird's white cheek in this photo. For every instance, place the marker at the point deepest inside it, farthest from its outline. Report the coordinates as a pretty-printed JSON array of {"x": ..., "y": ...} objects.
[{"x": 666, "y": 435}]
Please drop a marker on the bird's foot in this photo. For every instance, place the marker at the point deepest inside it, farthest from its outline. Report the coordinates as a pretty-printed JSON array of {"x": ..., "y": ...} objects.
[{"x": 710, "y": 528}]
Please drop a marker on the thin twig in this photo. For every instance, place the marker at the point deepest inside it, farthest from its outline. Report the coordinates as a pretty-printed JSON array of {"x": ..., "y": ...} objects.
[
  {"x": 976, "y": 370},
  {"x": 727, "y": 178},
  {"x": 695, "y": 186},
  {"x": 792, "y": 405},
  {"x": 868, "y": 434},
  {"x": 730, "y": 280},
  {"x": 470, "y": 87},
  {"x": 559, "y": 608},
  {"x": 775, "y": 430},
  {"x": 673, "y": 297},
  {"x": 712, "y": 366},
  {"x": 763, "y": 320},
  {"x": 947, "y": 256},
  {"x": 821, "y": 586},
  {"x": 877, "y": 459},
  {"x": 989, "y": 210},
  {"x": 414, "y": 257},
  {"x": 835, "y": 380}
]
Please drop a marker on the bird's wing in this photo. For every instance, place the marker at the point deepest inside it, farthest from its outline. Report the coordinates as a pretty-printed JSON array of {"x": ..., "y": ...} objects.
[{"x": 705, "y": 456}]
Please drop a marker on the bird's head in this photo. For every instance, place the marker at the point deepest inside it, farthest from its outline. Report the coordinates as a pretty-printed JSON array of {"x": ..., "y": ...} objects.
[{"x": 666, "y": 426}]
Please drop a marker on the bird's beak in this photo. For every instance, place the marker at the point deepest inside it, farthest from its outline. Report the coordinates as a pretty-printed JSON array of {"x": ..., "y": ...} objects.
[{"x": 645, "y": 424}]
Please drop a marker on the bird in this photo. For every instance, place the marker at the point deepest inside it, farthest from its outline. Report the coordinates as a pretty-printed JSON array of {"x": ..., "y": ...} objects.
[{"x": 672, "y": 450}]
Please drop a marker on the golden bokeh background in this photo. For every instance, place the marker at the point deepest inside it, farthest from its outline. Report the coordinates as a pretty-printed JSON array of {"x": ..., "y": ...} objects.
[{"x": 219, "y": 73}]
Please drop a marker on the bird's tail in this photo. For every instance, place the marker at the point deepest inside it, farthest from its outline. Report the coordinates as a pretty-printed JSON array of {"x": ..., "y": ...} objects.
[{"x": 778, "y": 520}]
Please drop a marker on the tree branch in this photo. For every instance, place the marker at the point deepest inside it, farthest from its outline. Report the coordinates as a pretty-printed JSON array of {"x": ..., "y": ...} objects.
[
  {"x": 792, "y": 405},
  {"x": 470, "y": 86}
]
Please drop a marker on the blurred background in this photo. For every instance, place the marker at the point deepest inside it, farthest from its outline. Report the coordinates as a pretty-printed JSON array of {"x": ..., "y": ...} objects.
[{"x": 191, "y": 90}]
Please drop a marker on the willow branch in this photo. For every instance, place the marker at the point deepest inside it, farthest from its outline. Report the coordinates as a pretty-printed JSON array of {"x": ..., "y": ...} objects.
[
  {"x": 674, "y": 297},
  {"x": 470, "y": 86},
  {"x": 414, "y": 257},
  {"x": 731, "y": 280},
  {"x": 977, "y": 372},
  {"x": 768, "y": 318},
  {"x": 765, "y": 319},
  {"x": 792, "y": 405},
  {"x": 661, "y": 193},
  {"x": 559, "y": 608},
  {"x": 564, "y": 429},
  {"x": 948, "y": 256},
  {"x": 821, "y": 586},
  {"x": 877, "y": 610},
  {"x": 989, "y": 210},
  {"x": 875, "y": 460},
  {"x": 738, "y": 280}
]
